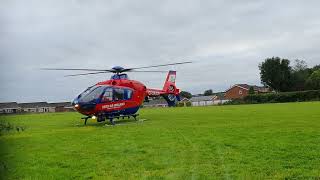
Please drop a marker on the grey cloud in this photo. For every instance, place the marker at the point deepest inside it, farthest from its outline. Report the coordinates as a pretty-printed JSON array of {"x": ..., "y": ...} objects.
[{"x": 227, "y": 39}]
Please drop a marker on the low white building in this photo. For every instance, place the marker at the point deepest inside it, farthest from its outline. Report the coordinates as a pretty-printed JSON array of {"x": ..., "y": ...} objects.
[
  {"x": 207, "y": 100},
  {"x": 9, "y": 108},
  {"x": 36, "y": 107},
  {"x": 202, "y": 101}
]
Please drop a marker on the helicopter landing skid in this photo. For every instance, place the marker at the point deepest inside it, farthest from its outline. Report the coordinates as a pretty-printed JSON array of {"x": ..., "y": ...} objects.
[
  {"x": 111, "y": 118},
  {"x": 86, "y": 119}
]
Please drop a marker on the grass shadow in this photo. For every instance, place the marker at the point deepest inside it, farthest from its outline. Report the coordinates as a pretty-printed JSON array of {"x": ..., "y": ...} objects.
[{"x": 116, "y": 121}]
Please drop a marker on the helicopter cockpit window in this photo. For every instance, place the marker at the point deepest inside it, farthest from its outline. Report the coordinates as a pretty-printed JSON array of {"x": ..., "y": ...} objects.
[
  {"x": 87, "y": 91},
  {"x": 91, "y": 94},
  {"x": 108, "y": 95}
]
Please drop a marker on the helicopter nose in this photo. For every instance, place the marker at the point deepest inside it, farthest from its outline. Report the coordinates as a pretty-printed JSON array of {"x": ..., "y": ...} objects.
[
  {"x": 74, "y": 102},
  {"x": 86, "y": 107}
]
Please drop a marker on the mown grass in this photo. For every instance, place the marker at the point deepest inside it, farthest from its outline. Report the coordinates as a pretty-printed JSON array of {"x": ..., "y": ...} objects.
[{"x": 270, "y": 141}]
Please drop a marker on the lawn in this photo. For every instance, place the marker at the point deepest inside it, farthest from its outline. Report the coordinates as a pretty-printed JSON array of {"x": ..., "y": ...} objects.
[{"x": 269, "y": 141}]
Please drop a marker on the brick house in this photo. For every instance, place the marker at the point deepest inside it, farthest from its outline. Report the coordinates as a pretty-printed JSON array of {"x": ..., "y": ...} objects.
[{"x": 239, "y": 91}]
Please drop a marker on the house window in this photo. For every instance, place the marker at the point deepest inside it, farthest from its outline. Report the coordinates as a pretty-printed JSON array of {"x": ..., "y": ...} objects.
[{"x": 240, "y": 92}]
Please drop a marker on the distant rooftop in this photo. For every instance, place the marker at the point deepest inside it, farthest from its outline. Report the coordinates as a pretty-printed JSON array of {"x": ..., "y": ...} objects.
[
  {"x": 201, "y": 98},
  {"x": 60, "y": 104},
  {"x": 9, "y": 105},
  {"x": 34, "y": 105},
  {"x": 247, "y": 87}
]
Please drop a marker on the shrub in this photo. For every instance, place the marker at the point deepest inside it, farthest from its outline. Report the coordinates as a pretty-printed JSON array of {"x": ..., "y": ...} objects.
[
  {"x": 188, "y": 104},
  {"x": 283, "y": 97},
  {"x": 6, "y": 127},
  {"x": 234, "y": 102},
  {"x": 180, "y": 104}
]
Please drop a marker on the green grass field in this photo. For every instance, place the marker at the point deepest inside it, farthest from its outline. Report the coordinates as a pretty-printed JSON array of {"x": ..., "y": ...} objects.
[{"x": 270, "y": 141}]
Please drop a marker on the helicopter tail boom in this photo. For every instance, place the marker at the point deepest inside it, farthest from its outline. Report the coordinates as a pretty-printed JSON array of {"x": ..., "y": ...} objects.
[{"x": 169, "y": 91}]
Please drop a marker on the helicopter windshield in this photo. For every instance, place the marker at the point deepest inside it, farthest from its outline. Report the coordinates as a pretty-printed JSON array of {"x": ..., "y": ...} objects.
[{"x": 91, "y": 94}]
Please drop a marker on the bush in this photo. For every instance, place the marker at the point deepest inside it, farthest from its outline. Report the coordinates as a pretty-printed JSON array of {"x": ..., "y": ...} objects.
[
  {"x": 6, "y": 127},
  {"x": 188, "y": 104},
  {"x": 180, "y": 104},
  {"x": 235, "y": 102},
  {"x": 313, "y": 95}
]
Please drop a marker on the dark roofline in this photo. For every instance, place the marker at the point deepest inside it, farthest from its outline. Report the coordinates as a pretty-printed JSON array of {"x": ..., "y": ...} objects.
[
  {"x": 61, "y": 104},
  {"x": 247, "y": 87},
  {"x": 6, "y": 105},
  {"x": 34, "y": 105}
]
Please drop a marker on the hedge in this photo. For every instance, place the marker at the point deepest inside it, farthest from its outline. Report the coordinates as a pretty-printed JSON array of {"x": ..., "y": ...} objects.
[
  {"x": 181, "y": 104},
  {"x": 313, "y": 95}
]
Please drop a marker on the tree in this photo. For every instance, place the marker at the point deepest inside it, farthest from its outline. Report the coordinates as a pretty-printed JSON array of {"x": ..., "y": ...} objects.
[
  {"x": 299, "y": 75},
  {"x": 299, "y": 65},
  {"x": 276, "y": 73},
  {"x": 185, "y": 94},
  {"x": 299, "y": 79},
  {"x": 208, "y": 92},
  {"x": 314, "y": 80},
  {"x": 251, "y": 90}
]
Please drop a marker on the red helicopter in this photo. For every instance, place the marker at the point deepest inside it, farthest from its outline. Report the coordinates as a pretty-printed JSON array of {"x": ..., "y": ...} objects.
[{"x": 120, "y": 97}]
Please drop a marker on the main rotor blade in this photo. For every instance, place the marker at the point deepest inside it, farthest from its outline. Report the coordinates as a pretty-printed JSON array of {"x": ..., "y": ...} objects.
[
  {"x": 71, "y": 69},
  {"x": 83, "y": 74},
  {"x": 187, "y": 62},
  {"x": 150, "y": 71}
]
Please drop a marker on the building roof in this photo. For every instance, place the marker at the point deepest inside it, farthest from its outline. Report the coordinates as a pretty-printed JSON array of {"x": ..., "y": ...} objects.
[
  {"x": 12, "y": 105},
  {"x": 219, "y": 96},
  {"x": 60, "y": 104},
  {"x": 34, "y": 105},
  {"x": 247, "y": 87},
  {"x": 185, "y": 99},
  {"x": 261, "y": 89},
  {"x": 201, "y": 98},
  {"x": 243, "y": 86}
]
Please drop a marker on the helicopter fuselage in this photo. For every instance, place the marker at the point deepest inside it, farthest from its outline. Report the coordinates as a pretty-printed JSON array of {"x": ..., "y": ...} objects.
[{"x": 120, "y": 96}]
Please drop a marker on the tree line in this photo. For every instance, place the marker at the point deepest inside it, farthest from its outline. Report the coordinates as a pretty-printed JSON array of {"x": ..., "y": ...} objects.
[{"x": 279, "y": 75}]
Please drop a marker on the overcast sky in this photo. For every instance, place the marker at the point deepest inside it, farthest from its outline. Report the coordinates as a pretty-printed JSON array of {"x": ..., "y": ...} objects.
[{"x": 226, "y": 40}]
